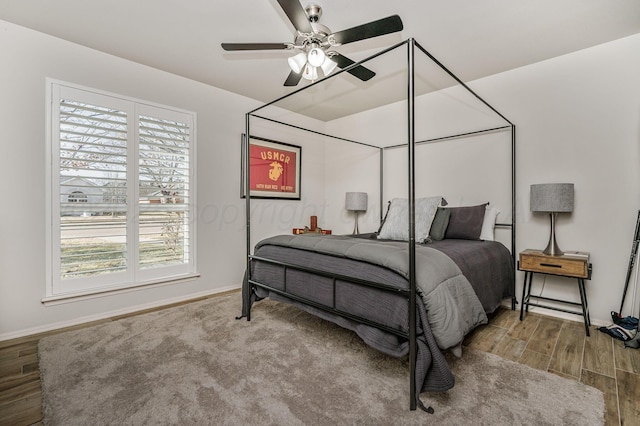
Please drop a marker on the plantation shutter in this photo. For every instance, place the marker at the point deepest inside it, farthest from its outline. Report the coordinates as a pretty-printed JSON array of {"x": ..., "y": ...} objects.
[
  {"x": 164, "y": 156},
  {"x": 92, "y": 189},
  {"x": 106, "y": 152}
]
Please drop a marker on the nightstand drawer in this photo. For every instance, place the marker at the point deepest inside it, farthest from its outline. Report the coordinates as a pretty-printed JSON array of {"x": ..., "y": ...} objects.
[{"x": 568, "y": 266}]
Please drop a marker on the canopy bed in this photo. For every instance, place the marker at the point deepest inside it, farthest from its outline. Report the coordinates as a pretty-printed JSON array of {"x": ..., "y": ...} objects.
[{"x": 404, "y": 290}]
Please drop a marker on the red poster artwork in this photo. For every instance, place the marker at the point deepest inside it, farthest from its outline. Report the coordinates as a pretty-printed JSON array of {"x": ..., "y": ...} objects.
[{"x": 272, "y": 169}]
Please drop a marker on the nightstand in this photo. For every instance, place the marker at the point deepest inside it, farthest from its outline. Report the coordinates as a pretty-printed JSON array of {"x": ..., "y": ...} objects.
[{"x": 570, "y": 264}]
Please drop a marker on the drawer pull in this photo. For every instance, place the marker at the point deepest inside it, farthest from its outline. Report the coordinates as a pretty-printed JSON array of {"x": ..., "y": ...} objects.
[{"x": 551, "y": 265}]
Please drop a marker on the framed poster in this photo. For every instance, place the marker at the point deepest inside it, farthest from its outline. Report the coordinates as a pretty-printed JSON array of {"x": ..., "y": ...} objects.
[{"x": 274, "y": 169}]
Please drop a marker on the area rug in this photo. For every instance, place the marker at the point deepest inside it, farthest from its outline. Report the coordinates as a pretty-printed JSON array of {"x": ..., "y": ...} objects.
[{"x": 195, "y": 364}]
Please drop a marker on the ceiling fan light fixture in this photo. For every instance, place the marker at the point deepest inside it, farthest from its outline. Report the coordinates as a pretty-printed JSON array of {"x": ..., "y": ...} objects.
[
  {"x": 310, "y": 73},
  {"x": 316, "y": 57},
  {"x": 313, "y": 41},
  {"x": 297, "y": 62},
  {"x": 328, "y": 66}
]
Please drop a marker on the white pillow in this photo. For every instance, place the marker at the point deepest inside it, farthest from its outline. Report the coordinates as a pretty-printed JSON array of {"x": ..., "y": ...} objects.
[
  {"x": 488, "y": 223},
  {"x": 396, "y": 225}
]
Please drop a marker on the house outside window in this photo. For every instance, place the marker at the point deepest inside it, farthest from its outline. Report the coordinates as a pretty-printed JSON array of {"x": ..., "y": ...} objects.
[
  {"x": 121, "y": 192},
  {"x": 77, "y": 197}
]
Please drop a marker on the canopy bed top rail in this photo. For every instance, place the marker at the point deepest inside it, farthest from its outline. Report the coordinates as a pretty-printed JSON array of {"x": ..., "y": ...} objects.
[
  {"x": 332, "y": 75},
  {"x": 272, "y": 120},
  {"x": 460, "y": 82},
  {"x": 456, "y": 136},
  {"x": 394, "y": 146}
]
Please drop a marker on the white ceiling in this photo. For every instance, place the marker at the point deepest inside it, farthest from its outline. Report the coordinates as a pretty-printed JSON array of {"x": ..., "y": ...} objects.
[{"x": 474, "y": 38}]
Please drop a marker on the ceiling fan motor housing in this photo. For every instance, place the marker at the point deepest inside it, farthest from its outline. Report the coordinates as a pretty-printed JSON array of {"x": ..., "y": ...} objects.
[
  {"x": 320, "y": 32},
  {"x": 314, "y": 12}
]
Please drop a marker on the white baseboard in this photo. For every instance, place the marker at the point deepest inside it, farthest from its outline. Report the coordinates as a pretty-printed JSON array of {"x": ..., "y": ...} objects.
[
  {"x": 565, "y": 316},
  {"x": 557, "y": 314},
  {"x": 110, "y": 314}
]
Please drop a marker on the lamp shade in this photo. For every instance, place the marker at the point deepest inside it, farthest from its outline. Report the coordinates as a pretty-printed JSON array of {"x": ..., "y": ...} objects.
[
  {"x": 356, "y": 201},
  {"x": 552, "y": 197}
]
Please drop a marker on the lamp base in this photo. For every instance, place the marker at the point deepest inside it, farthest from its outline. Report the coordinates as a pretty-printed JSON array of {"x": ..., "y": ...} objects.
[
  {"x": 355, "y": 228},
  {"x": 552, "y": 247}
]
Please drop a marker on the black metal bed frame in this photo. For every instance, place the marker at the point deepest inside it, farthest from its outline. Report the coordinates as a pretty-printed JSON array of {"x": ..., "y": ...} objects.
[
  {"x": 334, "y": 277},
  {"x": 409, "y": 294}
]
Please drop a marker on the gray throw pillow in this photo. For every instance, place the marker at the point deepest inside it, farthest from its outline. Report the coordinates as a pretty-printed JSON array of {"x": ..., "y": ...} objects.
[
  {"x": 465, "y": 223},
  {"x": 396, "y": 225},
  {"x": 440, "y": 223}
]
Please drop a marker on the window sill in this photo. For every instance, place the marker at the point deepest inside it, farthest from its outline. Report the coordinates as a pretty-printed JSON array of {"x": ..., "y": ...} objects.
[{"x": 93, "y": 294}]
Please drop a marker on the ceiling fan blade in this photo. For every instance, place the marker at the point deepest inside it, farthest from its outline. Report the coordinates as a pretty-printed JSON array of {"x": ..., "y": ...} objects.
[
  {"x": 377, "y": 28},
  {"x": 361, "y": 72},
  {"x": 293, "y": 79},
  {"x": 296, "y": 14},
  {"x": 255, "y": 46}
]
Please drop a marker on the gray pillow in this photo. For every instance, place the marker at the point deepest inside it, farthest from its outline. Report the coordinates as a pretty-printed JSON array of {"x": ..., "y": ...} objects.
[
  {"x": 440, "y": 223},
  {"x": 396, "y": 225},
  {"x": 465, "y": 223}
]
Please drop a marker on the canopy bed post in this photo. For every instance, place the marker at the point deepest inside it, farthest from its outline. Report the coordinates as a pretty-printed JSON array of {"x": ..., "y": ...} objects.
[
  {"x": 412, "y": 223},
  {"x": 514, "y": 301},
  {"x": 381, "y": 201},
  {"x": 247, "y": 199},
  {"x": 513, "y": 158}
]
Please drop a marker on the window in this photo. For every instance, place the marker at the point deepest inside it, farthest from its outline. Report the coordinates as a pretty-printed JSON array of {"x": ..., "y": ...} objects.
[{"x": 122, "y": 185}]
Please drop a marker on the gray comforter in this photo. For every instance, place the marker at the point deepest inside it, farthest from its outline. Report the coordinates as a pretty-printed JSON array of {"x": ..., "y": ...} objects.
[{"x": 452, "y": 306}]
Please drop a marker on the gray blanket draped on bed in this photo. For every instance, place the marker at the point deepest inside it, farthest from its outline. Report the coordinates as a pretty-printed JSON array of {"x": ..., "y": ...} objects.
[{"x": 450, "y": 304}]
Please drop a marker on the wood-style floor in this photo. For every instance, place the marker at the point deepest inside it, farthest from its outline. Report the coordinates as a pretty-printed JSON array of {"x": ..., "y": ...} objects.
[
  {"x": 542, "y": 342},
  {"x": 561, "y": 347}
]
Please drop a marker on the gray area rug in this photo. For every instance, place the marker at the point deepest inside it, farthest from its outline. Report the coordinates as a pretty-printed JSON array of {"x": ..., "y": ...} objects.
[{"x": 196, "y": 364}]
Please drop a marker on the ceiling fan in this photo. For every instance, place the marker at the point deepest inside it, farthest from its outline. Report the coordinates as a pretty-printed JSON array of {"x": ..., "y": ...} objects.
[{"x": 316, "y": 42}]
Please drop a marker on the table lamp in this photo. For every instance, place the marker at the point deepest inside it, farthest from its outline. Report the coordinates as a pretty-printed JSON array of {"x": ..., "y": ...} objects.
[
  {"x": 552, "y": 198},
  {"x": 356, "y": 202}
]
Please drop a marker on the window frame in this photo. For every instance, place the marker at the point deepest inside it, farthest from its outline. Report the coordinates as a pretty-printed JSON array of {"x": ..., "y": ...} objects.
[{"x": 134, "y": 276}]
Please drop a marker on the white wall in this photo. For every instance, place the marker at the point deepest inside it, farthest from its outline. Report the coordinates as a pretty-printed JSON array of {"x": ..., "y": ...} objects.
[
  {"x": 578, "y": 120},
  {"x": 28, "y": 57},
  {"x": 485, "y": 161}
]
